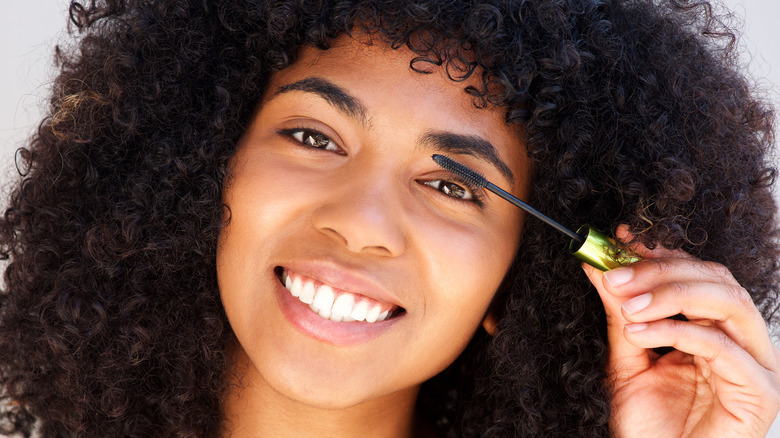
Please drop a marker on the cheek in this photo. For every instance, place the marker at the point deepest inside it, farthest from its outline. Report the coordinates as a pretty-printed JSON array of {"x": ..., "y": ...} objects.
[
  {"x": 464, "y": 267},
  {"x": 463, "y": 276},
  {"x": 475, "y": 253},
  {"x": 263, "y": 202},
  {"x": 255, "y": 213}
]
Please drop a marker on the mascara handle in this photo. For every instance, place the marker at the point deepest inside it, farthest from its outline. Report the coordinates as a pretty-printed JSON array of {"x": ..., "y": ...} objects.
[{"x": 601, "y": 251}]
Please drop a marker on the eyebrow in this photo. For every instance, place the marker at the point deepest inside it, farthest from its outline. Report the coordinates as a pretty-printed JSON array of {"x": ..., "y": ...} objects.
[
  {"x": 331, "y": 93},
  {"x": 440, "y": 141},
  {"x": 449, "y": 142}
]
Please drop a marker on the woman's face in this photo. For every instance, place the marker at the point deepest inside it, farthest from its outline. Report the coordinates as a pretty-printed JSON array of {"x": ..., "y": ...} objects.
[{"x": 333, "y": 191}]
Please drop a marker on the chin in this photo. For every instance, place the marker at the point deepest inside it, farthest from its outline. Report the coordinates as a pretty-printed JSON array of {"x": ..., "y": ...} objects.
[{"x": 331, "y": 392}]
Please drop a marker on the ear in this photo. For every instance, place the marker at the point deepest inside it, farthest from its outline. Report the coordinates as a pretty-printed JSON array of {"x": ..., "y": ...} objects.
[{"x": 490, "y": 323}]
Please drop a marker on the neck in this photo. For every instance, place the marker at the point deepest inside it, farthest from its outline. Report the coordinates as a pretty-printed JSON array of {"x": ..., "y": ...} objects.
[{"x": 253, "y": 408}]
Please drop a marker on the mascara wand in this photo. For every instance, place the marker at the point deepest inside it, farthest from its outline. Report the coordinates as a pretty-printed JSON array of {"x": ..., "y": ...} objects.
[{"x": 587, "y": 244}]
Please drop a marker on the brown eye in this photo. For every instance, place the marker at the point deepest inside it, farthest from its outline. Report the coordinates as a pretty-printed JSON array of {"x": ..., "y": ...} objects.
[
  {"x": 451, "y": 189},
  {"x": 314, "y": 139}
]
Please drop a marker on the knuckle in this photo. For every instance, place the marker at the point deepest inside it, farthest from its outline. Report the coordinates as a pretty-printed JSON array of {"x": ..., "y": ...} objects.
[
  {"x": 720, "y": 344},
  {"x": 715, "y": 342},
  {"x": 725, "y": 342},
  {"x": 741, "y": 296},
  {"x": 663, "y": 267},
  {"x": 720, "y": 272},
  {"x": 681, "y": 289}
]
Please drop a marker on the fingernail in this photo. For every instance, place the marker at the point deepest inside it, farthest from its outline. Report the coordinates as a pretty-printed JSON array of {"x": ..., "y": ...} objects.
[
  {"x": 619, "y": 276},
  {"x": 633, "y": 328},
  {"x": 636, "y": 304}
]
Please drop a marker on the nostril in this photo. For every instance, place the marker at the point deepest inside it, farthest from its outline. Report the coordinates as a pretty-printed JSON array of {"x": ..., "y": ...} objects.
[
  {"x": 334, "y": 234},
  {"x": 371, "y": 226}
]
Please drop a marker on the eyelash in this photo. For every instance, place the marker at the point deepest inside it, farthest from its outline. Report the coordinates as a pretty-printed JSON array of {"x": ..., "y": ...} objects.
[
  {"x": 476, "y": 197},
  {"x": 298, "y": 134}
]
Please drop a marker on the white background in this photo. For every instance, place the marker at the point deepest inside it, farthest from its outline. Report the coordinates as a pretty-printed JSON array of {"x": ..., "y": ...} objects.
[{"x": 30, "y": 28}]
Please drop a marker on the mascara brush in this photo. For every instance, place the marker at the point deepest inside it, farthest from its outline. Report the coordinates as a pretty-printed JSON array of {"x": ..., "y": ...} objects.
[{"x": 587, "y": 244}]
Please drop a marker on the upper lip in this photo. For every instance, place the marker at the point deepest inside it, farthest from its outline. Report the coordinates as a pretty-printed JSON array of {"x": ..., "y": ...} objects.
[{"x": 344, "y": 278}]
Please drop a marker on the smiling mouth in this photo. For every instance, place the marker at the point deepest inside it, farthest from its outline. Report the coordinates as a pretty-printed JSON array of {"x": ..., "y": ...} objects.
[{"x": 334, "y": 304}]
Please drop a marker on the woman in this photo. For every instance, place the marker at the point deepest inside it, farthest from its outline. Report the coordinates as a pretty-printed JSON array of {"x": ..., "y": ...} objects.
[{"x": 220, "y": 185}]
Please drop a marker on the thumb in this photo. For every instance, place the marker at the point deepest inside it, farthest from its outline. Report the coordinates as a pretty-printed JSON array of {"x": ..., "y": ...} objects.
[{"x": 622, "y": 354}]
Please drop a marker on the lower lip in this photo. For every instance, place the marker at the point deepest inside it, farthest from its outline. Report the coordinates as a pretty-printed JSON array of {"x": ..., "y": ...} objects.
[{"x": 336, "y": 333}]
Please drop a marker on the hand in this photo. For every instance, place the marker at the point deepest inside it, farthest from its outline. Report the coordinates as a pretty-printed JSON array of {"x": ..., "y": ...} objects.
[{"x": 722, "y": 378}]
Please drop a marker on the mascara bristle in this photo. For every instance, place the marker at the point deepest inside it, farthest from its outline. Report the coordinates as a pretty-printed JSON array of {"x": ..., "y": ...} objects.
[{"x": 471, "y": 176}]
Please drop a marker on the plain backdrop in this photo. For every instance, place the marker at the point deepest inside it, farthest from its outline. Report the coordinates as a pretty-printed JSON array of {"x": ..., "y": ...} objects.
[{"x": 29, "y": 29}]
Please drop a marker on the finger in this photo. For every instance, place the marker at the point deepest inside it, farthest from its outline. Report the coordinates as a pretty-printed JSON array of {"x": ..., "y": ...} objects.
[
  {"x": 744, "y": 389},
  {"x": 729, "y": 307},
  {"x": 724, "y": 357},
  {"x": 661, "y": 288},
  {"x": 621, "y": 352},
  {"x": 649, "y": 274}
]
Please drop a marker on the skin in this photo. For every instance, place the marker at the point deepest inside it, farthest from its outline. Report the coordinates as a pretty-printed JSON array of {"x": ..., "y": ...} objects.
[
  {"x": 722, "y": 380},
  {"x": 368, "y": 209}
]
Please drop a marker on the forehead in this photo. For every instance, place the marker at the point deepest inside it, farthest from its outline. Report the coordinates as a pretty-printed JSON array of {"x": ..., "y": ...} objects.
[
  {"x": 379, "y": 74},
  {"x": 397, "y": 97}
]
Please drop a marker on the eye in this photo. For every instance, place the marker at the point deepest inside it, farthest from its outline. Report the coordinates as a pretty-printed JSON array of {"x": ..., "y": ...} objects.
[
  {"x": 451, "y": 189},
  {"x": 312, "y": 139}
]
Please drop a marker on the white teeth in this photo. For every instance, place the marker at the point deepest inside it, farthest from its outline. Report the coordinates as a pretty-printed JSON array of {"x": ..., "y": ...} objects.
[
  {"x": 343, "y": 305},
  {"x": 373, "y": 313},
  {"x": 287, "y": 281},
  {"x": 307, "y": 294},
  {"x": 324, "y": 313},
  {"x": 323, "y": 301},
  {"x": 295, "y": 287},
  {"x": 359, "y": 311}
]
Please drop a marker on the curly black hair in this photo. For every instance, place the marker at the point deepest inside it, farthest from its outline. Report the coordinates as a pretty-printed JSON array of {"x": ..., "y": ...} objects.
[{"x": 111, "y": 324}]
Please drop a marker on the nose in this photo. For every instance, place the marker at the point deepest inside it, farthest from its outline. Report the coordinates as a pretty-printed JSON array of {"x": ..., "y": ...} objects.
[{"x": 365, "y": 214}]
